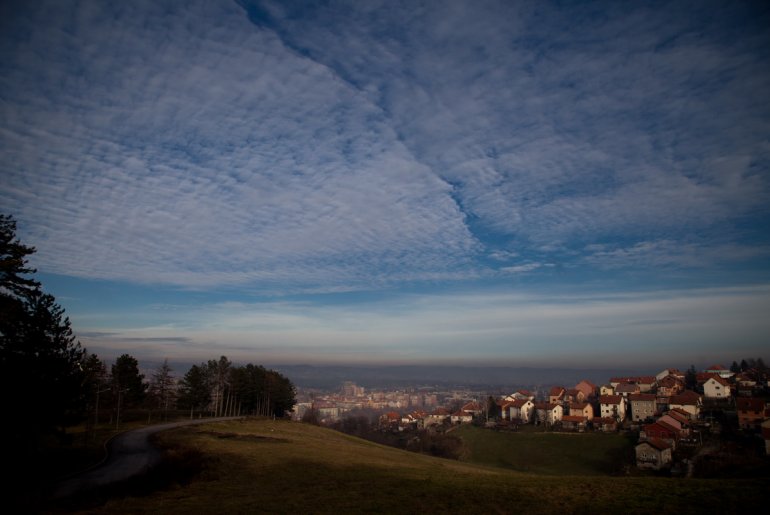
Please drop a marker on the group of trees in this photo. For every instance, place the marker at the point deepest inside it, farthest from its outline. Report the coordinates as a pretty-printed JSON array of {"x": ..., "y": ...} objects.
[
  {"x": 50, "y": 381},
  {"x": 227, "y": 389}
]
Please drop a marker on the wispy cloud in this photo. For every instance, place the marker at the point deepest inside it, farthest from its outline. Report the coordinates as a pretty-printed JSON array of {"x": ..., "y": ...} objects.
[{"x": 651, "y": 328}]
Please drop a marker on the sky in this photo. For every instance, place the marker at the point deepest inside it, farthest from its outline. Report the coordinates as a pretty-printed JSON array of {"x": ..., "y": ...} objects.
[{"x": 447, "y": 182}]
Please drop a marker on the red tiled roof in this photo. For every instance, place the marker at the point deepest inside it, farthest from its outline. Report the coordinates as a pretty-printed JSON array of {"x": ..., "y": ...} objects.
[
  {"x": 573, "y": 418},
  {"x": 686, "y": 397},
  {"x": 642, "y": 397},
  {"x": 556, "y": 391},
  {"x": 720, "y": 380},
  {"x": 610, "y": 399}
]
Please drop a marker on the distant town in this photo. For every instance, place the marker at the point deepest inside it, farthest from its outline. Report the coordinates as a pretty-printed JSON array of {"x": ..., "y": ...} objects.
[{"x": 680, "y": 418}]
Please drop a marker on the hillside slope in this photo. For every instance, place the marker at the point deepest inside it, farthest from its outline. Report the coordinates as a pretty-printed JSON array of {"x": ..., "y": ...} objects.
[{"x": 258, "y": 466}]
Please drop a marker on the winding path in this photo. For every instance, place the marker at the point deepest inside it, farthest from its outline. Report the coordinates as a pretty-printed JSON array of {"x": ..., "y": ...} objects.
[{"x": 129, "y": 454}]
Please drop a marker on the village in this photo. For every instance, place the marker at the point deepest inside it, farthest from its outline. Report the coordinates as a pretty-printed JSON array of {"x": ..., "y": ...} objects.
[{"x": 676, "y": 415}]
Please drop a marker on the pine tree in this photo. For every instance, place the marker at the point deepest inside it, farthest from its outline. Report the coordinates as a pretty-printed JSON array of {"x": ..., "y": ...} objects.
[{"x": 41, "y": 362}]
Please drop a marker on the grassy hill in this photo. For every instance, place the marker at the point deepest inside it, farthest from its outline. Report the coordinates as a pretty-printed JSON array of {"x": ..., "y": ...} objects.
[
  {"x": 259, "y": 466},
  {"x": 559, "y": 454}
]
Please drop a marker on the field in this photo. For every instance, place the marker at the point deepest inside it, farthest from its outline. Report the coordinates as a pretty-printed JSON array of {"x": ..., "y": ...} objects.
[
  {"x": 560, "y": 454},
  {"x": 261, "y": 466}
]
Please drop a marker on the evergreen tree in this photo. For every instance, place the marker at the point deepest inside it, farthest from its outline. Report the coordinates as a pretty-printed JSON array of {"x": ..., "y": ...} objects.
[
  {"x": 195, "y": 389},
  {"x": 127, "y": 382},
  {"x": 41, "y": 361}
]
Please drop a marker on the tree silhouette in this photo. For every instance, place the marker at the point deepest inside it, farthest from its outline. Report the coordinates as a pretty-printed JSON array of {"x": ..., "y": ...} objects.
[{"x": 41, "y": 362}]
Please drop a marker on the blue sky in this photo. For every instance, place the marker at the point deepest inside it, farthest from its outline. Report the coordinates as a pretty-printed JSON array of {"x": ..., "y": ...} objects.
[{"x": 524, "y": 183}]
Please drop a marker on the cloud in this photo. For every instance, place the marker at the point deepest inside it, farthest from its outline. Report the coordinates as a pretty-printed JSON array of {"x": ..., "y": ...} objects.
[
  {"x": 283, "y": 147},
  {"x": 656, "y": 328},
  {"x": 193, "y": 153}
]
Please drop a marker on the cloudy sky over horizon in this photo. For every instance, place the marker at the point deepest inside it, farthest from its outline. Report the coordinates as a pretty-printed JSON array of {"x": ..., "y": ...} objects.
[{"x": 517, "y": 182}]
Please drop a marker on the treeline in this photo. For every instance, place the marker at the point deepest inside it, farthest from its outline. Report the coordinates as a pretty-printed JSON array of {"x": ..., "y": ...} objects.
[
  {"x": 50, "y": 381},
  {"x": 214, "y": 388}
]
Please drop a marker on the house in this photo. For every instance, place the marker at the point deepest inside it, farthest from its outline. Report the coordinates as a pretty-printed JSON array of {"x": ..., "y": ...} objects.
[
  {"x": 660, "y": 431},
  {"x": 522, "y": 395},
  {"x": 681, "y": 428},
  {"x": 474, "y": 408},
  {"x": 547, "y": 413},
  {"x": 587, "y": 387},
  {"x": 751, "y": 411},
  {"x": 573, "y": 422},
  {"x": 670, "y": 372},
  {"x": 688, "y": 401},
  {"x": 574, "y": 395},
  {"x": 626, "y": 389},
  {"x": 612, "y": 406},
  {"x": 437, "y": 417},
  {"x": 606, "y": 389},
  {"x": 653, "y": 454},
  {"x": 646, "y": 383},
  {"x": 581, "y": 409},
  {"x": 504, "y": 409},
  {"x": 556, "y": 395},
  {"x": 681, "y": 413},
  {"x": 643, "y": 406},
  {"x": 522, "y": 410},
  {"x": 606, "y": 425},
  {"x": 461, "y": 417},
  {"x": 669, "y": 385},
  {"x": 719, "y": 370},
  {"x": 716, "y": 388}
]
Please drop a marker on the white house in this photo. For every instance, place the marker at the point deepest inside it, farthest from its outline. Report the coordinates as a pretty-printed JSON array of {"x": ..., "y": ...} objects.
[
  {"x": 549, "y": 413},
  {"x": 716, "y": 388},
  {"x": 461, "y": 417},
  {"x": 653, "y": 454},
  {"x": 612, "y": 406},
  {"x": 521, "y": 409}
]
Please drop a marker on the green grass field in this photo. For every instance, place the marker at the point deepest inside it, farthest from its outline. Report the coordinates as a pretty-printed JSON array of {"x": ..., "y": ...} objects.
[
  {"x": 261, "y": 466},
  {"x": 560, "y": 454}
]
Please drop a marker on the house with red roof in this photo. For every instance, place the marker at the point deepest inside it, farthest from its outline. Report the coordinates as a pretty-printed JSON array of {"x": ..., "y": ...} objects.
[
  {"x": 547, "y": 413},
  {"x": 522, "y": 410},
  {"x": 751, "y": 411},
  {"x": 716, "y": 387},
  {"x": 660, "y": 431},
  {"x": 668, "y": 386},
  {"x": 653, "y": 454},
  {"x": 688, "y": 401},
  {"x": 720, "y": 371},
  {"x": 626, "y": 389},
  {"x": 581, "y": 409},
  {"x": 587, "y": 387},
  {"x": 573, "y": 422},
  {"x": 612, "y": 406},
  {"x": 556, "y": 394},
  {"x": 461, "y": 417}
]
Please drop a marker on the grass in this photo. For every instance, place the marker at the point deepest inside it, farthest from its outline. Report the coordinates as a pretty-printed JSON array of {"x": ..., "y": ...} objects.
[
  {"x": 261, "y": 466},
  {"x": 559, "y": 454}
]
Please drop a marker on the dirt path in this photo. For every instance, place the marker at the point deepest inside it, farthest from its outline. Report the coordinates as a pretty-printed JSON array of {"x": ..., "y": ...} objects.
[{"x": 129, "y": 454}]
